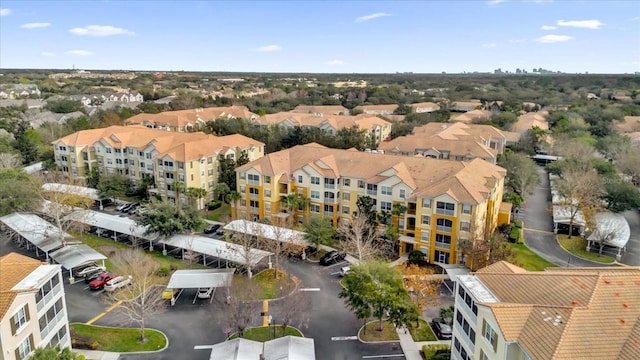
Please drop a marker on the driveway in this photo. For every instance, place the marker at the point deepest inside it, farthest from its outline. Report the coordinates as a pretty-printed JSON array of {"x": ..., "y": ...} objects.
[
  {"x": 538, "y": 227},
  {"x": 632, "y": 255}
]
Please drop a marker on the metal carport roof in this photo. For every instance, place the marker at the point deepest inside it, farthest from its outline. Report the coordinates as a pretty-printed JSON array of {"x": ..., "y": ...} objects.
[
  {"x": 72, "y": 189},
  {"x": 72, "y": 256},
  {"x": 614, "y": 228},
  {"x": 268, "y": 232},
  {"x": 218, "y": 248},
  {"x": 119, "y": 224},
  {"x": 36, "y": 230},
  {"x": 284, "y": 348},
  {"x": 205, "y": 278}
]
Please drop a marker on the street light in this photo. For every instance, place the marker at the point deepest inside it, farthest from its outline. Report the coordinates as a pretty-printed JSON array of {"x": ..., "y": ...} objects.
[{"x": 218, "y": 251}]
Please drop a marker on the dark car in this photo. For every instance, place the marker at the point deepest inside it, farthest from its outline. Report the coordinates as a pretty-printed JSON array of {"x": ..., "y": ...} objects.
[
  {"x": 108, "y": 234},
  {"x": 211, "y": 228},
  {"x": 130, "y": 207},
  {"x": 333, "y": 257},
  {"x": 441, "y": 329},
  {"x": 99, "y": 282}
]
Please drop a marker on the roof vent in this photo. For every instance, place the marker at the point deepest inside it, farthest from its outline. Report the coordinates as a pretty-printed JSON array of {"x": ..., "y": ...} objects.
[
  {"x": 623, "y": 321},
  {"x": 625, "y": 305}
]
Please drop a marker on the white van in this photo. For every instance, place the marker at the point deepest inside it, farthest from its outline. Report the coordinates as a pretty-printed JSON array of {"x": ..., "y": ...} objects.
[{"x": 118, "y": 282}]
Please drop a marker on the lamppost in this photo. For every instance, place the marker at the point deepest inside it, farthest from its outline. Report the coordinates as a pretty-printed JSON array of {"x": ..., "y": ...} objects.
[{"x": 218, "y": 251}]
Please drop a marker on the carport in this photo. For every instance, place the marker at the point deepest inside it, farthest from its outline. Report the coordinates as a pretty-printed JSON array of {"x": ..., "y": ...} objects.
[
  {"x": 288, "y": 347},
  {"x": 562, "y": 214},
  {"x": 453, "y": 271},
  {"x": 613, "y": 230},
  {"x": 196, "y": 279},
  {"x": 37, "y": 231},
  {"x": 117, "y": 224},
  {"x": 269, "y": 232},
  {"x": 215, "y": 248},
  {"x": 72, "y": 256},
  {"x": 74, "y": 190}
]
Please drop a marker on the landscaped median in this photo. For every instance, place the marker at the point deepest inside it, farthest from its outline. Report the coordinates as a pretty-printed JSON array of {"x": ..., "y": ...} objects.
[
  {"x": 266, "y": 333},
  {"x": 111, "y": 339},
  {"x": 371, "y": 333},
  {"x": 578, "y": 246}
]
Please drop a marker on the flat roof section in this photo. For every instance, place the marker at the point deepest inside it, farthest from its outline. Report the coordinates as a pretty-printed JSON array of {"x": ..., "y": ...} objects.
[
  {"x": 218, "y": 248},
  {"x": 284, "y": 348},
  {"x": 205, "y": 278},
  {"x": 72, "y": 256},
  {"x": 72, "y": 189},
  {"x": 36, "y": 230}
]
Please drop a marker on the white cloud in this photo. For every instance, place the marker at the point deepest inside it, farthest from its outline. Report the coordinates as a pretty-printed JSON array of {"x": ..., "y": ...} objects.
[
  {"x": 371, "y": 17},
  {"x": 47, "y": 54},
  {"x": 585, "y": 24},
  {"x": 548, "y": 27},
  {"x": 35, "y": 25},
  {"x": 79, "y": 53},
  {"x": 548, "y": 39},
  {"x": 335, "y": 62},
  {"x": 5, "y": 12},
  {"x": 100, "y": 30},
  {"x": 514, "y": 41},
  {"x": 489, "y": 45},
  {"x": 495, "y": 2},
  {"x": 269, "y": 48}
]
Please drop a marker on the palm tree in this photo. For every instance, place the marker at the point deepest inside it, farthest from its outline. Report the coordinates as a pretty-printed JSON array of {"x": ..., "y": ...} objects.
[
  {"x": 290, "y": 202},
  {"x": 304, "y": 202},
  {"x": 221, "y": 190},
  {"x": 234, "y": 196},
  {"x": 196, "y": 193},
  {"x": 178, "y": 188},
  {"x": 396, "y": 210},
  {"x": 55, "y": 353}
]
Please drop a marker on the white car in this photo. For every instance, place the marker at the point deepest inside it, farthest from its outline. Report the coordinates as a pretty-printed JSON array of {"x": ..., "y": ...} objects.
[
  {"x": 90, "y": 270},
  {"x": 205, "y": 293},
  {"x": 344, "y": 270},
  {"x": 117, "y": 282}
]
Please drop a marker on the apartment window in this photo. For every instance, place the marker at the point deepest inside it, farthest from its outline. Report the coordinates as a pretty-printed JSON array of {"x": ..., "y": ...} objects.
[
  {"x": 130, "y": 151},
  {"x": 119, "y": 161},
  {"x": 181, "y": 165},
  {"x": 330, "y": 183},
  {"x": 426, "y": 220},
  {"x": 464, "y": 226},
  {"x": 181, "y": 178},
  {"x": 242, "y": 189},
  {"x": 372, "y": 189},
  {"x": 209, "y": 160},
  {"x": 255, "y": 205},
  {"x": 147, "y": 155},
  {"x": 315, "y": 180},
  {"x": 386, "y": 190},
  {"x": 346, "y": 196},
  {"x": 25, "y": 347},
  {"x": 299, "y": 179},
  {"x": 19, "y": 319},
  {"x": 315, "y": 194},
  {"x": 426, "y": 203},
  {"x": 267, "y": 206},
  {"x": 108, "y": 150},
  {"x": 425, "y": 235},
  {"x": 385, "y": 206},
  {"x": 346, "y": 182},
  {"x": 459, "y": 317},
  {"x": 168, "y": 163},
  {"x": 191, "y": 177},
  {"x": 443, "y": 241},
  {"x": 118, "y": 151},
  {"x": 242, "y": 175},
  {"x": 63, "y": 158},
  {"x": 315, "y": 208},
  {"x": 160, "y": 162},
  {"x": 489, "y": 334},
  {"x": 142, "y": 165},
  {"x": 109, "y": 161},
  {"x": 210, "y": 172},
  {"x": 345, "y": 210},
  {"x": 267, "y": 179},
  {"x": 466, "y": 209},
  {"x": 360, "y": 184},
  {"x": 403, "y": 193},
  {"x": 253, "y": 192},
  {"x": 62, "y": 148},
  {"x": 267, "y": 193},
  {"x": 133, "y": 173},
  {"x": 253, "y": 179},
  {"x": 243, "y": 202},
  {"x": 483, "y": 356},
  {"x": 445, "y": 208},
  {"x": 140, "y": 154},
  {"x": 169, "y": 175},
  {"x": 444, "y": 225}
]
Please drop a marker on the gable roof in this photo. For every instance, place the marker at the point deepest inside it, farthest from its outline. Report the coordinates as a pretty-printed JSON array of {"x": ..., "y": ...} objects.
[
  {"x": 182, "y": 118},
  {"x": 472, "y": 115},
  {"x": 337, "y": 122},
  {"x": 323, "y": 109},
  {"x": 467, "y": 182},
  {"x": 529, "y": 120},
  {"x": 13, "y": 268}
]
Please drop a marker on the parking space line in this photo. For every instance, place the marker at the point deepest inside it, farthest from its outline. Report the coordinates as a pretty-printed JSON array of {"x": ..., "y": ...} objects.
[{"x": 109, "y": 309}]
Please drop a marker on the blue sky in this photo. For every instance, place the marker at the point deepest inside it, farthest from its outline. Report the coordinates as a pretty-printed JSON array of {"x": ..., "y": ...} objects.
[{"x": 322, "y": 36}]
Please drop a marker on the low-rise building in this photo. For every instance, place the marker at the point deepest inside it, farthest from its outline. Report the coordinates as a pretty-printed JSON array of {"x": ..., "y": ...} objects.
[
  {"x": 472, "y": 116},
  {"x": 189, "y": 120},
  {"x": 33, "y": 311},
  {"x": 424, "y": 107},
  {"x": 444, "y": 202},
  {"x": 384, "y": 109},
  {"x": 138, "y": 152},
  {"x": 321, "y": 109},
  {"x": 528, "y": 121},
  {"x": 505, "y": 312},
  {"x": 456, "y": 141}
]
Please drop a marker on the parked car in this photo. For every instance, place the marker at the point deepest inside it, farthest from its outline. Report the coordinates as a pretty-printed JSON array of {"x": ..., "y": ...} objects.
[
  {"x": 132, "y": 208},
  {"x": 220, "y": 231},
  {"x": 90, "y": 277},
  {"x": 333, "y": 257},
  {"x": 344, "y": 270},
  {"x": 123, "y": 238},
  {"x": 441, "y": 329},
  {"x": 105, "y": 233},
  {"x": 117, "y": 282},
  {"x": 129, "y": 207},
  {"x": 122, "y": 206},
  {"x": 89, "y": 270},
  {"x": 168, "y": 294},
  {"x": 191, "y": 256},
  {"x": 205, "y": 293},
  {"x": 212, "y": 228},
  {"x": 99, "y": 282}
]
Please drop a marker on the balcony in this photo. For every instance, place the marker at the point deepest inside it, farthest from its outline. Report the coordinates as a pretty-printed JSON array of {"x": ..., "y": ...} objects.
[
  {"x": 53, "y": 323},
  {"x": 168, "y": 168},
  {"x": 253, "y": 196},
  {"x": 466, "y": 310},
  {"x": 329, "y": 186},
  {"x": 443, "y": 245},
  {"x": 411, "y": 208},
  {"x": 328, "y": 213},
  {"x": 445, "y": 212},
  {"x": 283, "y": 189},
  {"x": 47, "y": 298},
  {"x": 444, "y": 228},
  {"x": 254, "y": 209},
  {"x": 331, "y": 200}
]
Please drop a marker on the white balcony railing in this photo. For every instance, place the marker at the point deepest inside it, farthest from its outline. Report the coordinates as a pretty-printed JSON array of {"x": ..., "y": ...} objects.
[
  {"x": 442, "y": 245},
  {"x": 47, "y": 298},
  {"x": 52, "y": 324},
  {"x": 444, "y": 228},
  {"x": 445, "y": 212}
]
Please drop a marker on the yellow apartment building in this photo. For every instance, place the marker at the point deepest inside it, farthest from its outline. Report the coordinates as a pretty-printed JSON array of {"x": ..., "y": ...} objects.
[
  {"x": 137, "y": 152},
  {"x": 188, "y": 120},
  {"x": 446, "y": 201}
]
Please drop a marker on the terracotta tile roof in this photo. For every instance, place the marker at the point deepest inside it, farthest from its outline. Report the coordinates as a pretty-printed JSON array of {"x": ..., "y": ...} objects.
[
  {"x": 425, "y": 105},
  {"x": 468, "y": 182},
  {"x": 363, "y": 122},
  {"x": 568, "y": 313},
  {"x": 324, "y": 109},
  {"x": 181, "y": 118},
  {"x": 382, "y": 107},
  {"x": 529, "y": 120},
  {"x": 502, "y": 267},
  {"x": 472, "y": 115},
  {"x": 628, "y": 125},
  {"x": 13, "y": 268}
]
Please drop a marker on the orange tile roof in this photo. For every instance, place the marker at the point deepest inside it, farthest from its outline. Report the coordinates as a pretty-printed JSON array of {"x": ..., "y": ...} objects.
[
  {"x": 468, "y": 182},
  {"x": 629, "y": 124},
  {"x": 13, "y": 268},
  {"x": 377, "y": 107},
  {"x": 568, "y": 313},
  {"x": 363, "y": 122},
  {"x": 472, "y": 115},
  {"x": 323, "y": 109},
  {"x": 529, "y": 120},
  {"x": 181, "y": 118}
]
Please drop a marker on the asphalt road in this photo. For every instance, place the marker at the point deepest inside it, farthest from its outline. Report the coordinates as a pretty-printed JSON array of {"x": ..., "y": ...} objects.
[{"x": 632, "y": 255}]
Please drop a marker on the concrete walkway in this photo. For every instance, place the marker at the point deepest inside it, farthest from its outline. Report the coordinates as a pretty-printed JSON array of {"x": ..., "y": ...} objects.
[
  {"x": 97, "y": 355},
  {"x": 410, "y": 348}
]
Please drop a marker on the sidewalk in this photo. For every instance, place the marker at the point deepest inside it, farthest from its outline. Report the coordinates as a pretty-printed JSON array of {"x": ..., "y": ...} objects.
[
  {"x": 409, "y": 347},
  {"x": 97, "y": 355}
]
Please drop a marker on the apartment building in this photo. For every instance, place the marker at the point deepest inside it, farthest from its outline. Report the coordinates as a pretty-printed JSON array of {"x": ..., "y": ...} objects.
[
  {"x": 446, "y": 201},
  {"x": 138, "y": 152},
  {"x": 189, "y": 120},
  {"x": 383, "y": 109},
  {"x": 505, "y": 312},
  {"x": 33, "y": 311},
  {"x": 456, "y": 141},
  {"x": 375, "y": 127}
]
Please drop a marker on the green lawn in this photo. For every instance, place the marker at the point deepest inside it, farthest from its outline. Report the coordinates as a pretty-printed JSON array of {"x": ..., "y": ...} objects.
[
  {"x": 218, "y": 214},
  {"x": 266, "y": 286},
  {"x": 577, "y": 246},
  {"x": 422, "y": 333},
  {"x": 120, "y": 339},
  {"x": 529, "y": 260},
  {"x": 264, "y": 333},
  {"x": 371, "y": 332}
]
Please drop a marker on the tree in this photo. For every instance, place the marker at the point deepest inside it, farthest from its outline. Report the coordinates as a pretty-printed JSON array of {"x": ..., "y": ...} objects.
[
  {"x": 581, "y": 192},
  {"x": 18, "y": 191},
  {"x": 318, "y": 230},
  {"x": 628, "y": 163},
  {"x": 423, "y": 286},
  {"x": 28, "y": 143},
  {"x": 481, "y": 253},
  {"x": 142, "y": 298},
  {"x": 522, "y": 173},
  {"x": 165, "y": 219},
  {"x": 605, "y": 230},
  {"x": 93, "y": 178},
  {"x": 241, "y": 309},
  {"x": 295, "y": 309},
  {"x": 55, "y": 353},
  {"x": 248, "y": 245},
  {"x": 113, "y": 186},
  {"x": 515, "y": 200},
  {"x": 365, "y": 207},
  {"x": 621, "y": 195},
  {"x": 290, "y": 203},
  {"x": 233, "y": 197},
  {"x": 9, "y": 160},
  {"x": 360, "y": 237},
  {"x": 447, "y": 312},
  {"x": 198, "y": 194},
  {"x": 376, "y": 289},
  {"x": 281, "y": 244},
  {"x": 220, "y": 191}
]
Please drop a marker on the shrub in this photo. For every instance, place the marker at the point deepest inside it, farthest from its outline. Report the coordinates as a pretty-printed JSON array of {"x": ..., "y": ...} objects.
[
  {"x": 416, "y": 257},
  {"x": 163, "y": 271},
  {"x": 515, "y": 235},
  {"x": 518, "y": 224},
  {"x": 83, "y": 342},
  {"x": 214, "y": 204},
  {"x": 432, "y": 352}
]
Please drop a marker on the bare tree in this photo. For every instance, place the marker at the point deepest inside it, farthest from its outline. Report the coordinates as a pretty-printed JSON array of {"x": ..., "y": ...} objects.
[
  {"x": 604, "y": 231},
  {"x": 628, "y": 162},
  {"x": 282, "y": 242},
  {"x": 295, "y": 310},
  {"x": 9, "y": 160},
  {"x": 249, "y": 244},
  {"x": 481, "y": 253},
  {"x": 241, "y": 310},
  {"x": 142, "y": 298},
  {"x": 581, "y": 192},
  {"x": 360, "y": 237}
]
